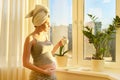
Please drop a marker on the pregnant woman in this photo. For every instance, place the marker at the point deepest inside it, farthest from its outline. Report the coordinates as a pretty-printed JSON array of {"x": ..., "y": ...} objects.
[{"x": 39, "y": 47}]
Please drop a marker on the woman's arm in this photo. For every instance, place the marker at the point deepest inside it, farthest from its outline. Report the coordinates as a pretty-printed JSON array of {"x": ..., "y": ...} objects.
[
  {"x": 26, "y": 57},
  {"x": 57, "y": 46}
]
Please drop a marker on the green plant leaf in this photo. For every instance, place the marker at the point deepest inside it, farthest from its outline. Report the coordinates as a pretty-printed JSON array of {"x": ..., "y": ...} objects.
[{"x": 101, "y": 39}]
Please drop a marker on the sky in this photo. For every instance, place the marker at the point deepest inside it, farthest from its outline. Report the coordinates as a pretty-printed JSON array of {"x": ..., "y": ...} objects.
[
  {"x": 61, "y": 12},
  {"x": 103, "y": 9}
]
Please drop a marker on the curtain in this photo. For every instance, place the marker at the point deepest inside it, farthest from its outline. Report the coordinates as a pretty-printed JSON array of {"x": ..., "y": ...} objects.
[{"x": 13, "y": 30}]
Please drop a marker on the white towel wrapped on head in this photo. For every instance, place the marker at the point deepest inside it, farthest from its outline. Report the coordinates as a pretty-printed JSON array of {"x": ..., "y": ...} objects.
[{"x": 39, "y": 15}]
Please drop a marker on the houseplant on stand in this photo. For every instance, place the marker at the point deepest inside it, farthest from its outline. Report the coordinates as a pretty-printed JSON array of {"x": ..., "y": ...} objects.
[
  {"x": 100, "y": 41},
  {"x": 61, "y": 58}
]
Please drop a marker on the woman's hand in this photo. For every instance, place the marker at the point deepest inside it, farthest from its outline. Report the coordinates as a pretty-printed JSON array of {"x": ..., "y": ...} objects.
[
  {"x": 63, "y": 41},
  {"x": 49, "y": 71},
  {"x": 60, "y": 42}
]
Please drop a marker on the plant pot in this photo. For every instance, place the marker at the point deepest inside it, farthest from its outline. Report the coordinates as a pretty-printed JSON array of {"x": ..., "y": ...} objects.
[
  {"x": 61, "y": 61},
  {"x": 97, "y": 65}
]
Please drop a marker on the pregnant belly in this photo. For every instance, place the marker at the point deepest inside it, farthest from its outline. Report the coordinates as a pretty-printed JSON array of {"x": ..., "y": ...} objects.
[{"x": 49, "y": 66}]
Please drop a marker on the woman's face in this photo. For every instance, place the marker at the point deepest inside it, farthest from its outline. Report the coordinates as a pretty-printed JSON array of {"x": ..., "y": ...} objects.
[{"x": 46, "y": 25}]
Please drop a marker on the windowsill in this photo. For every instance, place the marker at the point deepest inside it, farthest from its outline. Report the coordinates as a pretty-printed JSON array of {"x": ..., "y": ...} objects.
[{"x": 87, "y": 71}]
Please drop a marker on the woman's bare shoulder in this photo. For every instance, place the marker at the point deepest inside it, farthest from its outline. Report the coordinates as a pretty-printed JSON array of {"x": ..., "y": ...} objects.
[{"x": 30, "y": 39}]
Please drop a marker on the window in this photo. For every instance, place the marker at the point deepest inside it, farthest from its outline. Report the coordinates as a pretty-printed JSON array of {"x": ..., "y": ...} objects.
[
  {"x": 77, "y": 36},
  {"x": 61, "y": 21},
  {"x": 105, "y": 11},
  {"x": 80, "y": 56}
]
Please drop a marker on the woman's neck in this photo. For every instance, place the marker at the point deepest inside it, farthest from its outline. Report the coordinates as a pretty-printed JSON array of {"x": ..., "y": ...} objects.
[{"x": 41, "y": 36}]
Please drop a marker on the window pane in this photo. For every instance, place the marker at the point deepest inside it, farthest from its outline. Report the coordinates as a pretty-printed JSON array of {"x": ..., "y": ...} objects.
[
  {"x": 105, "y": 11},
  {"x": 61, "y": 21}
]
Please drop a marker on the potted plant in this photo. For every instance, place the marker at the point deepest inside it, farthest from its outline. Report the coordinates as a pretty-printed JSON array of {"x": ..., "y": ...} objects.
[
  {"x": 61, "y": 58},
  {"x": 100, "y": 39}
]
